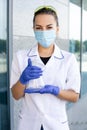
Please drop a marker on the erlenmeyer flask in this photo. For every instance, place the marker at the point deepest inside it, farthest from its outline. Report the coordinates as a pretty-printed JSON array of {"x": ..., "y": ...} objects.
[{"x": 36, "y": 83}]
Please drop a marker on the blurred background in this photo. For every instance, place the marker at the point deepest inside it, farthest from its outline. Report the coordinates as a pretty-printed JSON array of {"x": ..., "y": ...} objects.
[{"x": 16, "y": 33}]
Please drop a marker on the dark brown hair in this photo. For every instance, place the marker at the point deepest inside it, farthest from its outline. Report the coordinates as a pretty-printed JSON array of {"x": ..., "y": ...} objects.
[{"x": 46, "y": 10}]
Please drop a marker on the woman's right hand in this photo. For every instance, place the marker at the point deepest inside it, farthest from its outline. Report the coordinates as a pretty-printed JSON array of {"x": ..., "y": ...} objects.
[{"x": 30, "y": 72}]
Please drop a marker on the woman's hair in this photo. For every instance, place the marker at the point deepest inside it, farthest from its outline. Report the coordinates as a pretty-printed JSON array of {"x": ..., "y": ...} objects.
[{"x": 46, "y": 10}]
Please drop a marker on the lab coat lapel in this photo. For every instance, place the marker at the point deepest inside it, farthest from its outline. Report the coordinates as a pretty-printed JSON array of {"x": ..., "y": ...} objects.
[{"x": 58, "y": 53}]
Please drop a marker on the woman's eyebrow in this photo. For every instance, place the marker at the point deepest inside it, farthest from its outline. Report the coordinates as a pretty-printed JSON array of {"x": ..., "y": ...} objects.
[
  {"x": 42, "y": 26},
  {"x": 38, "y": 25},
  {"x": 49, "y": 24}
]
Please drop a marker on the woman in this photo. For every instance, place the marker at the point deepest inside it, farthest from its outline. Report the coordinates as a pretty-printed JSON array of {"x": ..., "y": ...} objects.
[{"x": 45, "y": 77}]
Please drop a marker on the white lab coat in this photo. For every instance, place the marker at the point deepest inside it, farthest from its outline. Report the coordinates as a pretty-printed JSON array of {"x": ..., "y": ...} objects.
[{"x": 61, "y": 70}]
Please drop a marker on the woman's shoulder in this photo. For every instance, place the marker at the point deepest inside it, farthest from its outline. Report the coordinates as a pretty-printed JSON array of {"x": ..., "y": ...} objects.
[
  {"x": 22, "y": 52},
  {"x": 68, "y": 55}
]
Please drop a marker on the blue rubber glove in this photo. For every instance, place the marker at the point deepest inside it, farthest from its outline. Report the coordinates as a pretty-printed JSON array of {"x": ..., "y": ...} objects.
[
  {"x": 30, "y": 73},
  {"x": 50, "y": 89},
  {"x": 32, "y": 90}
]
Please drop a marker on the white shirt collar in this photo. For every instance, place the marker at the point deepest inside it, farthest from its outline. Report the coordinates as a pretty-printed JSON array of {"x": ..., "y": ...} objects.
[{"x": 57, "y": 52}]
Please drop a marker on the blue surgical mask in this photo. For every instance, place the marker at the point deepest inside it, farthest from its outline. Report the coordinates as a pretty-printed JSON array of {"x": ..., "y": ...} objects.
[{"x": 45, "y": 38}]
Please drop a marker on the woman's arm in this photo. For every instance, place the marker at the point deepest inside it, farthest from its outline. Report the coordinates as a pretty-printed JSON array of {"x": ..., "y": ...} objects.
[
  {"x": 29, "y": 73},
  {"x": 18, "y": 90},
  {"x": 68, "y": 95}
]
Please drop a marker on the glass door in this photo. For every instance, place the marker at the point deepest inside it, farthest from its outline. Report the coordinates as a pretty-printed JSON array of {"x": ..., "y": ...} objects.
[
  {"x": 75, "y": 32},
  {"x": 4, "y": 114},
  {"x": 78, "y": 46},
  {"x": 84, "y": 49}
]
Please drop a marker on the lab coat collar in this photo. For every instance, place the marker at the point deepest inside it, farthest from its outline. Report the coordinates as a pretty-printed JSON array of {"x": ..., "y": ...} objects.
[
  {"x": 57, "y": 52},
  {"x": 33, "y": 51}
]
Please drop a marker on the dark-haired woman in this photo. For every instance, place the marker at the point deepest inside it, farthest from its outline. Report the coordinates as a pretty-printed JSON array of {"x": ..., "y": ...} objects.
[{"x": 45, "y": 77}]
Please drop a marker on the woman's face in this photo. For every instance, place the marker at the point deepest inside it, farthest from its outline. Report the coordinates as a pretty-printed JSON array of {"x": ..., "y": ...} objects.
[{"x": 45, "y": 22}]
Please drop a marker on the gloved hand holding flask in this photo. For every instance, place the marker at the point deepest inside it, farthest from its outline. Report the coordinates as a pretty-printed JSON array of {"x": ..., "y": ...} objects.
[{"x": 30, "y": 73}]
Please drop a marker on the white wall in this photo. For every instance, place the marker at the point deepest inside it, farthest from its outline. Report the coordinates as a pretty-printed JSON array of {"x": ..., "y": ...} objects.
[{"x": 23, "y": 15}]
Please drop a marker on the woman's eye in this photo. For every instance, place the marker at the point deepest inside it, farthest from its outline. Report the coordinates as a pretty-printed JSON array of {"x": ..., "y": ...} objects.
[
  {"x": 38, "y": 28},
  {"x": 49, "y": 27}
]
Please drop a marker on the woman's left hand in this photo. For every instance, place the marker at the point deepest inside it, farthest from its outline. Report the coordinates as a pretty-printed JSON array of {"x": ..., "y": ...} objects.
[{"x": 49, "y": 89}]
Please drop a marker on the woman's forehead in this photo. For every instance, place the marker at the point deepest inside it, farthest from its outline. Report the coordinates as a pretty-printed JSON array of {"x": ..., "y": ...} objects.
[{"x": 45, "y": 18}]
